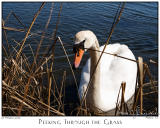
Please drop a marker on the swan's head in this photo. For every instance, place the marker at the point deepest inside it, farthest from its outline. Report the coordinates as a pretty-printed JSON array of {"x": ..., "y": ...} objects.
[{"x": 83, "y": 40}]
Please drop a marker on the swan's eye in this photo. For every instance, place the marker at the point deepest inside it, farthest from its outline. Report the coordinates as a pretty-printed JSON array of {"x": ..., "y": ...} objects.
[
  {"x": 76, "y": 47},
  {"x": 81, "y": 45}
]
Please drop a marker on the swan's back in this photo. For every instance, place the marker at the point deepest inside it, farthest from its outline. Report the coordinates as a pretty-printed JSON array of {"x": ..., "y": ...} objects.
[{"x": 113, "y": 71}]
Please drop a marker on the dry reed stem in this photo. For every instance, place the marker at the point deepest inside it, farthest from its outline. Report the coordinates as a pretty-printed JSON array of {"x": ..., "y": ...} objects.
[
  {"x": 60, "y": 94},
  {"x": 113, "y": 55},
  {"x": 43, "y": 34},
  {"x": 14, "y": 51},
  {"x": 118, "y": 56},
  {"x": 17, "y": 80},
  {"x": 56, "y": 90},
  {"x": 22, "y": 70},
  {"x": 10, "y": 108},
  {"x": 47, "y": 50},
  {"x": 62, "y": 91},
  {"x": 13, "y": 93},
  {"x": 69, "y": 65},
  {"x": 149, "y": 74},
  {"x": 54, "y": 110},
  {"x": 85, "y": 106},
  {"x": 33, "y": 21},
  {"x": 140, "y": 89},
  {"x": 24, "y": 103},
  {"x": 26, "y": 64},
  {"x": 140, "y": 66},
  {"x": 27, "y": 100},
  {"x": 136, "y": 100},
  {"x": 4, "y": 21},
  {"x": 13, "y": 29},
  {"x": 154, "y": 62},
  {"x": 50, "y": 78},
  {"x": 57, "y": 22},
  {"x": 56, "y": 86},
  {"x": 25, "y": 94},
  {"x": 122, "y": 107},
  {"x": 45, "y": 61},
  {"x": 55, "y": 32},
  {"x": 5, "y": 51},
  {"x": 23, "y": 30},
  {"x": 110, "y": 34},
  {"x": 12, "y": 72},
  {"x": 144, "y": 94},
  {"x": 18, "y": 20},
  {"x": 149, "y": 83},
  {"x": 6, "y": 38},
  {"x": 49, "y": 90},
  {"x": 117, "y": 103},
  {"x": 31, "y": 51}
]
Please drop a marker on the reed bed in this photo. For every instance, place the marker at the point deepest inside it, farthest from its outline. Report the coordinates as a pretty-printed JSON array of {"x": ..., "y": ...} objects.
[{"x": 30, "y": 88}]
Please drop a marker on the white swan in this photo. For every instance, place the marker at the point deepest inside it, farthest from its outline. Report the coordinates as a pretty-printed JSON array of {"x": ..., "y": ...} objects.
[{"x": 109, "y": 74}]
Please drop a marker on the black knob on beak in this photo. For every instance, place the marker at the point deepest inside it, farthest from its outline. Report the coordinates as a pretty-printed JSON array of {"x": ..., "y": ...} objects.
[{"x": 73, "y": 67}]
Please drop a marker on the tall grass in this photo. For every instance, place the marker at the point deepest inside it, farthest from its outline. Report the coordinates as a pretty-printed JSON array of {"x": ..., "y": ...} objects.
[{"x": 29, "y": 86}]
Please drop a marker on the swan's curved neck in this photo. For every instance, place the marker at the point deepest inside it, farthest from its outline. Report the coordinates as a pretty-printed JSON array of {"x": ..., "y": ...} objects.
[
  {"x": 94, "y": 57},
  {"x": 94, "y": 90}
]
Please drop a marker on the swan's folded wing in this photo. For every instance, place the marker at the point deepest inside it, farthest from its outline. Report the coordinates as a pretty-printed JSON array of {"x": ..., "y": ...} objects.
[{"x": 118, "y": 70}]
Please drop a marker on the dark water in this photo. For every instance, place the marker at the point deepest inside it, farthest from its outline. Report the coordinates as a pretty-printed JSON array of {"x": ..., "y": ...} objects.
[{"x": 138, "y": 28}]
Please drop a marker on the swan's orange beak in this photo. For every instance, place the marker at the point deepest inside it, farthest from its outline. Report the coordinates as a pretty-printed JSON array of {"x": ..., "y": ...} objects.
[{"x": 77, "y": 58}]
